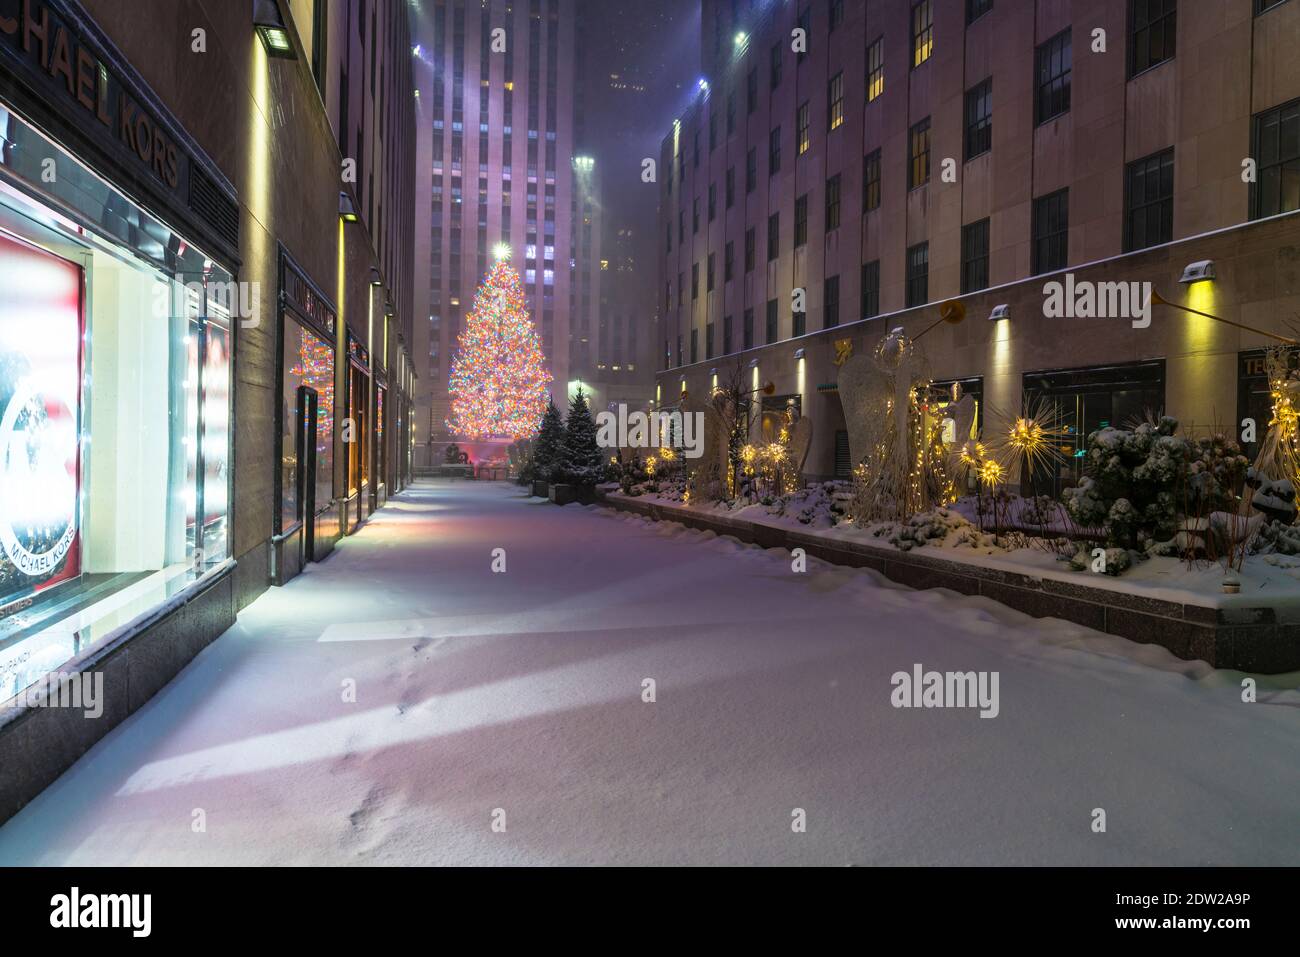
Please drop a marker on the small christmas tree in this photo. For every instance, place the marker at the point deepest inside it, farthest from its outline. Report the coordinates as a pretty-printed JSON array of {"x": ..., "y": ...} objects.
[
  {"x": 580, "y": 457},
  {"x": 546, "y": 453},
  {"x": 498, "y": 380}
]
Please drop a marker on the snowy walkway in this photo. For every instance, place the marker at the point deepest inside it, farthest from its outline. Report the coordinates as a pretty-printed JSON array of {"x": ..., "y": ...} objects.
[{"x": 521, "y": 692}]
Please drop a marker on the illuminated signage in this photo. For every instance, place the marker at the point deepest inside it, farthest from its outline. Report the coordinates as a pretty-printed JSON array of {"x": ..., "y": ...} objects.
[{"x": 63, "y": 63}]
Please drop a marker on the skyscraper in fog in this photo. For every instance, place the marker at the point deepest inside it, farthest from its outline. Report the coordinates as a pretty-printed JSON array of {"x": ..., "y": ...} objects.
[{"x": 499, "y": 113}]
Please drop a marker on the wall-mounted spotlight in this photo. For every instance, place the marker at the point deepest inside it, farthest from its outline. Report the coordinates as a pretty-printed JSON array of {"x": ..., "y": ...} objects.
[
  {"x": 753, "y": 363},
  {"x": 270, "y": 28},
  {"x": 798, "y": 353},
  {"x": 347, "y": 211},
  {"x": 375, "y": 278},
  {"x": 1198, "y": 271},
  {"x": 1001, "y": 311}
]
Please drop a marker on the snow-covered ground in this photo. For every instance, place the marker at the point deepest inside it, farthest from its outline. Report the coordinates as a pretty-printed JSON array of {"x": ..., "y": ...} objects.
[{"x": 478, "y": 693}]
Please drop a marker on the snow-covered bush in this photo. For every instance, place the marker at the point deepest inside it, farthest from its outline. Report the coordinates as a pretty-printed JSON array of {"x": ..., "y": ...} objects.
[
  {"x": 1279, "y": 538},
  {"x": 1139, "y": 483}
]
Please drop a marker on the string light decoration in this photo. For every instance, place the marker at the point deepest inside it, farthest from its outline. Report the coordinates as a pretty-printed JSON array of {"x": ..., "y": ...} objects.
[
  {"x": 1279, "y": 453},
  {"x": 499, "y": 379}
]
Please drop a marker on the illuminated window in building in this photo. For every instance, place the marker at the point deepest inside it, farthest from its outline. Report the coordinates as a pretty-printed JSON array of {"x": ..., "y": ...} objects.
[
  {"x": 1149, "y": 201},
  {"x": 1153, "y": 30},
  {"x": 922, "y": 32},
  {"x": 870, "y": 289},
  {"x": 801, "y": 221},
  {"x": 918, "y": 275},
  {"x": 875, "y": 69},
  {"x": 833, "y": 202},
  {"x": 801, "y": 129},
  {"x": 871, "y": 181},
  {"x": 1277, "y": 151},
  {"x": 979, "y": 119},
  {"x": 918, "y": 154},
  {"x": 1051, "y": 229},
  {"x": 835, "y": 96},
  {"x": 1052, "y": 77},
  {"x": 975, "y": 256}
]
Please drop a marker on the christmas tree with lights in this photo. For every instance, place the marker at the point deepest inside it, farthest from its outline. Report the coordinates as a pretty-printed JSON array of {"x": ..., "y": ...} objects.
[{"x": 499, "y": 379}]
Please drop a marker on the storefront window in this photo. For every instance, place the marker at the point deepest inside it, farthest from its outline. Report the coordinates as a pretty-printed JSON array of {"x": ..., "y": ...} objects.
[
  {"x": 309, "y": 362},
  {"x": 114, "y": 409}
]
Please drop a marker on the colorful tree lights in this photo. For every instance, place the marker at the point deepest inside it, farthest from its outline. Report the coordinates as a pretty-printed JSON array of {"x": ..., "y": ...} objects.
[{"x": 499, "y": 378}]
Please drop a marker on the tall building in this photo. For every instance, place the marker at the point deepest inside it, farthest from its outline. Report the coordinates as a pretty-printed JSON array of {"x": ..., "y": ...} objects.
[
  {"x": 884, "y": 158},
  {"x": 498, "y": 109},
  {"x": 206, "y": 217}
]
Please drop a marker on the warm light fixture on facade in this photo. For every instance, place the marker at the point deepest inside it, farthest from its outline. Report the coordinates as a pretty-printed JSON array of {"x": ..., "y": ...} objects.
[
  {"x": 270, "y": 27},
  {"x": 347, "y": 211},
  {"x": 1000, "y": 312},
  {"x": 798, "y": 353},
  {"x": 753, "y": 363},
  {"x": 1198, "y": 271},
  {"x": 375, "y": 278}
]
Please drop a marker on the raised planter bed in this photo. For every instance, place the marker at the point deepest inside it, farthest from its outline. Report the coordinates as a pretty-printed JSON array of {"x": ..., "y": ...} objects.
[
  {"x": 541, "y": 489},
  {"x": 564, "y": 494},
  {"x": 1236, "y": 636}
]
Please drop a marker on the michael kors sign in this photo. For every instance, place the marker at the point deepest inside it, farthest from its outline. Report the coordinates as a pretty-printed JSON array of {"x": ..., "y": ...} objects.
[{"x": 63, "y": 64}]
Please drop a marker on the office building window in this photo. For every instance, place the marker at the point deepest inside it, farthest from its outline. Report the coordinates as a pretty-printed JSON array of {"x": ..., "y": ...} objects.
[
  {"x": 833, "y": 202},
  {"x": 975, "y": 256},
  {"x": 1262, "y": 5},
  {"x": 749, "y": 250},
  {"x": 918, "y": 155},
  {"x": 773, "y": 236},
  {"x": 726, "y": 335},
  {"x": 713, "y": 201},
  {"x": 1277, "y": 151},
  {"x": 731, "y": 186},
  {"x": 922, "y": 32},
  {"x": 695, "y": 215},
  {"x": 871, "y": 289},
  {"x": 1153, "y": 28},
  {"x": 771, "y": 321},
  {"x": 837, "y": 14},
  {"x": 751, "y": 91},
  {"x": 774, "y": 152},
  {"x": 918, "y": 274},
  {"x": 835, "y": 97},
  {"x": 1149, "y": 201},
  {"x": 805, "y": 24},
  {"x": 747, "y": 330},
  {"x": 979, "y": 119},
  {"x": 1051, "y": 227},
  {"x": 876, "y": 69},
  {"x": 831, "y": 302},
  {"x": 801, "y": 129},
  {"x": 728, "y": 262},
  {"x": 751, "y": 169},
  {"x": 695, "y": 281},
  {"x": 709, "y": 279},
  {"x": 1052, "y": 75},
  {"x": 708, "y": 341},
  {"x": 871, "y": 181},
  {"x": 801, "y": 221},
  {"x": 695, "y": 345},
  {"x": 774, "y": 65},
  {"x": 977, "y": 8}
]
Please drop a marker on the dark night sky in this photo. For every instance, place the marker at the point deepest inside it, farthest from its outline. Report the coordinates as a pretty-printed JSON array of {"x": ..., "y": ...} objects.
[{"x": 650, "y": 43}]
